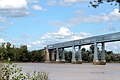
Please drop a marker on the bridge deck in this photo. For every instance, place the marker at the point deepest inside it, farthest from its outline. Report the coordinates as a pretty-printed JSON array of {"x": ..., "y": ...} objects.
[{"x": 86, "y": 41}]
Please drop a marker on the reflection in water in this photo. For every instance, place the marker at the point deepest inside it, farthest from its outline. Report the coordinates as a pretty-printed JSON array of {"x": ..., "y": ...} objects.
[{"x": 85, "y": 71}]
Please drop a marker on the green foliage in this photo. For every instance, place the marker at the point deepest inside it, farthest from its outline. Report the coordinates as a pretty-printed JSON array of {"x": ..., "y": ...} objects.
[
  {"x": 39, "y": 76},
  {"x": 96, "y": 3},
  {"x": 85, "y": 54},
  {"x": 108, "y": 58},
  {"x": 36, "y": 56},
  {"x": 92, "y": 49},
  {"x": 23, "y": 55},
  {"x": 88, "y": 55},
  {"x": 11, "y": 72},
  {"x": 68, "y": 56},
  {"x": 19, "y": 54}
]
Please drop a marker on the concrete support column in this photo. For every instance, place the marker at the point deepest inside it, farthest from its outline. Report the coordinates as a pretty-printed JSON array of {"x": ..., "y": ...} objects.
[
  {"x": 47, "y": 55},
  {"x": 95, "y": 61},
  {"x": 79, "y": 55},
  {"x": 53, "y": 55},
  {"x": 63, "y": 55},
  {"x": 57, "y": 55},
  {"x": 103, "y": 61},
  {"x": 73, "y": 55}
]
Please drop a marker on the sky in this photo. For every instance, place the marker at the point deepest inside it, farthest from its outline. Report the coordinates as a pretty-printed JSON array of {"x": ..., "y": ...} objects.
[{"x": 37, "y": 23}]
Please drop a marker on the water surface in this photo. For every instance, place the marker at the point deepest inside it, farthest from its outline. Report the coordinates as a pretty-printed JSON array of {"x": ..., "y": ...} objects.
[{"x": 85, "y": 71}]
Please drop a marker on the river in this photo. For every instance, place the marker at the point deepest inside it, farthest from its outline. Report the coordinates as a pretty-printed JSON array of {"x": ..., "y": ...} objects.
[{"x": 67, "y": 71}]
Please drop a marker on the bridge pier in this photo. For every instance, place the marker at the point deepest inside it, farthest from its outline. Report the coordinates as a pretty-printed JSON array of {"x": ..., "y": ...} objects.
[
  {"x": 79, "y": 61},
  {"x": 47, "y": 55},
  {"x": 73, "y": 55},
  {"x": 63, "y": 55},
  {"x": 96, "y": 61},
  {"x": 103, "y": 61},
  {"x": 57, "y": 55},
  {"x": 52, "y": 55}
]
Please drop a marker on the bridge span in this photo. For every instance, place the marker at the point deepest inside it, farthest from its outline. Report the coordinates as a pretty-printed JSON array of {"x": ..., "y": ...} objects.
[{"x": 102, "y": 39}]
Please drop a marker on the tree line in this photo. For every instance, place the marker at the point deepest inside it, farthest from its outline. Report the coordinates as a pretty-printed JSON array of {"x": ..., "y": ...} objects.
[
  {"x": 21, "y": 54},
  {"x": 88, "y": 55}
]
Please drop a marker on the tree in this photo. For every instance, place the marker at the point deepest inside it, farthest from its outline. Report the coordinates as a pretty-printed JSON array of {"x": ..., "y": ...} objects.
[
  {"x": 24, "y": 56},
  {"x": 2, "y": 51},
  {"x": 16, "y": 52},
  {"x": 68, "y": 56},
  {"x": 96, "y": 3},
  {"x": 8, "y": 45},
  {"x": 9, "y": 51},
  {"x": 36, "y": 56},
  {"x": 108, "y": 58},
  {"x": 84, "y": 55},
  {"x": 92, "y": 49}
]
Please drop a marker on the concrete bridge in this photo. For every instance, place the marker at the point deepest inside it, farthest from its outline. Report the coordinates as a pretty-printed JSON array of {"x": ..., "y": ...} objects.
[{"x": 102, "y": 39}]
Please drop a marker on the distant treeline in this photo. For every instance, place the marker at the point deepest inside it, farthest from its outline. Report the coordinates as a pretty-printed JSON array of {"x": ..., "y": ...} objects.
[{"x": 21, "y": 54}]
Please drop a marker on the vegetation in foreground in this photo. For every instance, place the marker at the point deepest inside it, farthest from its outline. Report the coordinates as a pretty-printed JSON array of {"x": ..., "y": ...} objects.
[{"x": 12, "y": 72}]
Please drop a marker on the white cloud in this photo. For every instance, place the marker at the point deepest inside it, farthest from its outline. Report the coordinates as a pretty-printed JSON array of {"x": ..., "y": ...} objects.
[
  {"x": 73, "y": 1},
  {"x": 29, "y": 46},
  {"x": 13, "y": 8},
  {"x": 76, "y": 20},
  {"x": 38, "y": 7},
  {"x": 2, "y": 40},
  {"x": 115, "y": 15},
  {"x": 36, "y": 42},
  {"x": 113, "y": 46},
  {"x": 63, "y": 2},
  {"x": 32, "y": 1},
  {"x": 80, "y": 19},
  {"x": 4, "y": 20},
  {"x": 62, "y": 35},
  {"x": 64, "y": 31},
  {"x": 14, "y": 4}
]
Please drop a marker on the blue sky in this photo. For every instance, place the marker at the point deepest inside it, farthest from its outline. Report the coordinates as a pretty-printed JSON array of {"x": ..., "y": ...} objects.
[{"x": 37, "y": 23}]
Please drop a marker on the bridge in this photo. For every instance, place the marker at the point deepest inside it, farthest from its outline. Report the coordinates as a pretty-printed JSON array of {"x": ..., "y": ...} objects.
[{"x": 95, "y": 40}]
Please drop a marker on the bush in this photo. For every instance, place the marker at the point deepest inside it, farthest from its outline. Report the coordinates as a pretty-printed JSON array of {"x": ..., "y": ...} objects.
[{"x": 11, "y": 72}]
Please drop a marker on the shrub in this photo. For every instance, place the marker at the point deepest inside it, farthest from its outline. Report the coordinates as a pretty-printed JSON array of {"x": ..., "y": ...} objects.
[{"x": 12, "y": 72}]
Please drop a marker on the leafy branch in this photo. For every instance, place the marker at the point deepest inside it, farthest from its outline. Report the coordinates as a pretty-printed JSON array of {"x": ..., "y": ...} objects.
[{"x": 96, "y": 3}]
